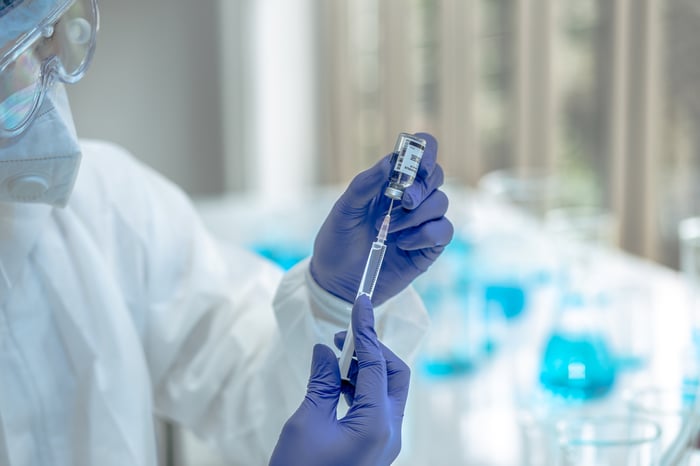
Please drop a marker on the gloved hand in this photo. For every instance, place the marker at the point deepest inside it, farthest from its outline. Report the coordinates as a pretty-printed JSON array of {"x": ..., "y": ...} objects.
[
  {"x": 370, "y": 432},
  {"x": 418, "y": 231}
]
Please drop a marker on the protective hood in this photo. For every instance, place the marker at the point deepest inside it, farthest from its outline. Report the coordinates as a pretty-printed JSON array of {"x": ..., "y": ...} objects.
[{"x": 19, "y": 18}]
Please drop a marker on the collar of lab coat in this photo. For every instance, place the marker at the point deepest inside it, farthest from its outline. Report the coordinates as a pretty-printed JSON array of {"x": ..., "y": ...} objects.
[{"x": 20, "y": 226}]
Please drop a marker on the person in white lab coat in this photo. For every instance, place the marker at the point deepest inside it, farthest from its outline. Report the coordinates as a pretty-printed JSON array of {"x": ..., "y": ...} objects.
[{"x": 116, "y": 305}]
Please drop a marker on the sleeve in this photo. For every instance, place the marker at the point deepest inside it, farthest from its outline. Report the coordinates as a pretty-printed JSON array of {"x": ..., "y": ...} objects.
[
  {"x": 228, "y": 339},
  {"x": 307, "y": 313},
  {"x": 211, "y": 340}
]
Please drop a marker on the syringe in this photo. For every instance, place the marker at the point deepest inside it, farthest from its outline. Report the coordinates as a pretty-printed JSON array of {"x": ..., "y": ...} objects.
[
  {"x": 369, "y": 280},
  {"x": 407, "y": 155}
]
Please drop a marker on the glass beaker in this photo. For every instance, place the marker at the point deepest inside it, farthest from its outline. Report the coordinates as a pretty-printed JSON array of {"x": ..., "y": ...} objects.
[
  {"x": 624, "y": 441},
  {"x": 577, "y": 363},
  {"x": 667, "y": 406}
]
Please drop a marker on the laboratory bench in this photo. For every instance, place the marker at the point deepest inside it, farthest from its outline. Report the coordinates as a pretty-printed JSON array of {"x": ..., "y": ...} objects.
[{"x": 478, "y": 392}]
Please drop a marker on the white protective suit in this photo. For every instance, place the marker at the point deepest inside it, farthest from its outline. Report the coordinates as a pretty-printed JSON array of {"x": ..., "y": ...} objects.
[{"x": 121, "y": 306}]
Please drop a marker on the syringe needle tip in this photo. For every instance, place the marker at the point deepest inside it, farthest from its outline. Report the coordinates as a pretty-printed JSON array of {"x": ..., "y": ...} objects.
[{"x": 384, "y": 229}]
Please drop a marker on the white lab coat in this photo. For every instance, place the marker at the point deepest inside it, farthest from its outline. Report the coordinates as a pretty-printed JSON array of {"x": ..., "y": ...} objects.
[{"x": 121, "y": 306}]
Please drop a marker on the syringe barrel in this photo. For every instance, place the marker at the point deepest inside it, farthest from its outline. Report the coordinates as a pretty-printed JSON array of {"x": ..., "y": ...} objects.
[
  {"x": 374, "y": 263},
  {"x": 369, "y": 280}
]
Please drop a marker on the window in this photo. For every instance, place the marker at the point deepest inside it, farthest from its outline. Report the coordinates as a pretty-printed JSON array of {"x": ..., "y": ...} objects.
[{"x": 593, "y": 89}]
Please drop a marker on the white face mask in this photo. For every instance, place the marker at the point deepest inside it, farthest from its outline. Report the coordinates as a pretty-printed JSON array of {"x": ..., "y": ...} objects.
[{"x": 41, "y": 164}]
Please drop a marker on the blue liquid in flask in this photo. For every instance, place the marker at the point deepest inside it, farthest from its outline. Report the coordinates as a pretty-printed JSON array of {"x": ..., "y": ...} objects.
[
  {"x": 510, "y": 297},
  {"x": 284, "y": 255},
  {"x": 578, "y": 367}
]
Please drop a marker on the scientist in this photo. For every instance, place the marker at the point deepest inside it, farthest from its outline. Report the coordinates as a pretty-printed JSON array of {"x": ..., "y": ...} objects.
[{"x": 117, "y": 306}]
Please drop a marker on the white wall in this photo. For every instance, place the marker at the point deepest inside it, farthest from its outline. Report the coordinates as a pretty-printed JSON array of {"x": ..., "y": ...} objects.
[
  {"x": 154, "y": 88},
  {"x": 216, "y": 95}
]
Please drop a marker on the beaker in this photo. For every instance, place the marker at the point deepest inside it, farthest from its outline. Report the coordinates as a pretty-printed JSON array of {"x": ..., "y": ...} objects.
[
  {"x": 623, "y": 441},
  {"x": 577, "y": 363},
  {"x": 667, "y": 406}
]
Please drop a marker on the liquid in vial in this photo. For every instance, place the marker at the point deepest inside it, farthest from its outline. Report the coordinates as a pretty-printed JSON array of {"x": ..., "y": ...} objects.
[{"x": 408, "y": 153}]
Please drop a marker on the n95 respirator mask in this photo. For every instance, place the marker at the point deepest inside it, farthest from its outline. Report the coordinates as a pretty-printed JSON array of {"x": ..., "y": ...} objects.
[{"x": 41, "y": 165}]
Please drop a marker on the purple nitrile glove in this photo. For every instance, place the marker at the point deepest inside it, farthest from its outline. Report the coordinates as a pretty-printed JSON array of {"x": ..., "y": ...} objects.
[
  {"x": 418, "y": 232},
  {"x": 370, "y": 432}
]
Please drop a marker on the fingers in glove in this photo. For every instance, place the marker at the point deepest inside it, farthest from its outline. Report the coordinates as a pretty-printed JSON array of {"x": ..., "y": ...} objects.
[
  {"x": 429, "y": 160},
  {"x": 371, "y": 384},
  {"x": 429, "y": 177},
  {"x": 399, "y": 377},
  {"x": 426, "y": 243},
  {"x": 433, "y": 234},
  {"x": 366, "y": 185},
  {"x": 422, "y": 188},
  {"x": 348, "y": 386},
  {"x": 433, "y": 208},
  {"x": 323, "y": 390},
  {"x": 339, "y": 339}
]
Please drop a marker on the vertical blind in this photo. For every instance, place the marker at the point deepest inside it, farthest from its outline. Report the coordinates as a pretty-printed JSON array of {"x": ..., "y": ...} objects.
[{"x": 580, "y": 87}]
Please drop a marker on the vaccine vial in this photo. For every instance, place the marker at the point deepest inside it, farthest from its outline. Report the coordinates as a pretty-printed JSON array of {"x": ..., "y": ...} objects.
[{"x": 406, "y": 158}]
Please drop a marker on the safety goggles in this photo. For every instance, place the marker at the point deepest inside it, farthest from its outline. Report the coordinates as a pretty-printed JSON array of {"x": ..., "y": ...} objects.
[{"x": 60, "y": 48}]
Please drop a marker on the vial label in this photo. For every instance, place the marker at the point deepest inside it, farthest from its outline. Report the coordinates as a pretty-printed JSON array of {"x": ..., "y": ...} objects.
[{"x": 409, "y": 160}]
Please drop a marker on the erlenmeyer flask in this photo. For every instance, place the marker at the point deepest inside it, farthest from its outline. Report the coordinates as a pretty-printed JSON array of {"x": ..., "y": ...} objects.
[{"x": 577, "y": 363}]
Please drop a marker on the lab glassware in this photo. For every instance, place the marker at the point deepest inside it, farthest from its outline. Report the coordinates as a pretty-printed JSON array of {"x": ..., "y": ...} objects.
[
  {"x": 623, "y": 441},
  {"x": 577, "y": 363},
  {"x": 667, "y": 406}
]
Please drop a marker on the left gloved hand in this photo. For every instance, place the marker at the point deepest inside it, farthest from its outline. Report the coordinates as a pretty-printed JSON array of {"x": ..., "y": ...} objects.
[
  {"x": 370, "y": 432},
  {"x": 418, "y": 231}
]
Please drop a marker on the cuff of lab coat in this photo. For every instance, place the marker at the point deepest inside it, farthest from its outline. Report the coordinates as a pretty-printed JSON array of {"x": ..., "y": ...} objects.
[
  {"x": 328, "y": 307},
  {"x": 307, "y": 313},
  {"x": 401, "y": 322}
]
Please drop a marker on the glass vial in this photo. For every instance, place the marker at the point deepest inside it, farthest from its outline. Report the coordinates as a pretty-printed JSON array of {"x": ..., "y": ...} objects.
[{"x": 408, "y": 153}]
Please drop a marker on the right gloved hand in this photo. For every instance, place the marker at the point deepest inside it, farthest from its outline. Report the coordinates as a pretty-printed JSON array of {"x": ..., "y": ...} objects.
[
  {"x": 370, "y": 432},
  {"x": 418, "y": 232}
]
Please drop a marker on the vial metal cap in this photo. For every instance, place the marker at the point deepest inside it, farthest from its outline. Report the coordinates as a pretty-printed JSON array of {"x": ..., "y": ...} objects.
[{"x": 393, "y": 193}]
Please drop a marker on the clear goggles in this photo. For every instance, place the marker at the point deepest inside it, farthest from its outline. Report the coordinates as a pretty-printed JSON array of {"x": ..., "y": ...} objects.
[{"x": 60, "y": 48}]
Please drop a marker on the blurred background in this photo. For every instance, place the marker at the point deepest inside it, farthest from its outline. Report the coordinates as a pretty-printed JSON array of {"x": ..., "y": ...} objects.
[
  {"x": 255, "y": 96},
  {"x": 582, "y": 114}
]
